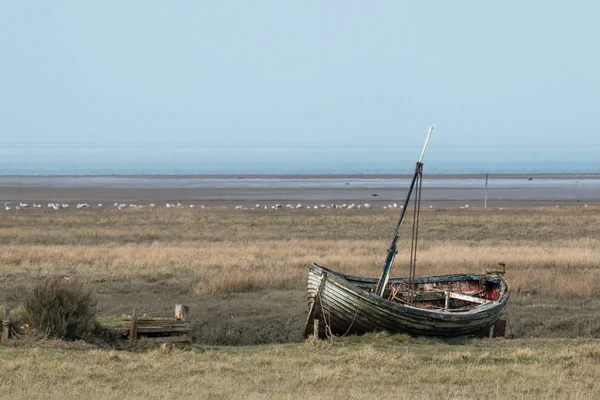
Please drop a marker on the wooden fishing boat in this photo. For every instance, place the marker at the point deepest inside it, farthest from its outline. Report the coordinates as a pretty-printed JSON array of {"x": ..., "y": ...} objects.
[{"x": 448, "y": 305}]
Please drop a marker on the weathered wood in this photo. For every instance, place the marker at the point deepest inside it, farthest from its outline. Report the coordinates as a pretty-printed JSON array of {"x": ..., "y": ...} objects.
[
  {"x": 313, "y": 306},
  {"x": 316, "y": 329},
  {"x": 6, "y": 325},
  {"x": 134, "y": 326},
  {"x": 472, "y": 299},
  {"x": 172, "y": 322},
  {"x": 182, "y": 312},
  {"x": 162, "y": 329},
  {"x": 351, "y": 307},
  {"x": 128, "y": 318}
]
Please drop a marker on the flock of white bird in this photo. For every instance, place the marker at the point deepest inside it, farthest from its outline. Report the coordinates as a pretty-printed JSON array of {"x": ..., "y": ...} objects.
[{"x": 121, "y": 206}]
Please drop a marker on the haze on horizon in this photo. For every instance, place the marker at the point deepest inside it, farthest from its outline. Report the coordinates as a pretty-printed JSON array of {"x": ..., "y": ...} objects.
[{"x": 510, "y": 75}]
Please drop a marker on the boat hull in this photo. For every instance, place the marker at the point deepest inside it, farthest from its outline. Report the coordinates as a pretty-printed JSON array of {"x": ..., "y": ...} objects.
[{"x": 347, "y": 305}]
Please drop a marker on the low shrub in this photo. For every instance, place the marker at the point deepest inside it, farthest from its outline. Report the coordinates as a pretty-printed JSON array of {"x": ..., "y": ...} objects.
[{"x": 61, "y": 308}]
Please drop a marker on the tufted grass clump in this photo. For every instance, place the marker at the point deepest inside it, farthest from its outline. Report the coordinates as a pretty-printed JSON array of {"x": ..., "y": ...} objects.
[{"x": 61, "y": 308}]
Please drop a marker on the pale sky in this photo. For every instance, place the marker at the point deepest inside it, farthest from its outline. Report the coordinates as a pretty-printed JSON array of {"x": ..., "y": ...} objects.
[{"x": 516, "y": 74}]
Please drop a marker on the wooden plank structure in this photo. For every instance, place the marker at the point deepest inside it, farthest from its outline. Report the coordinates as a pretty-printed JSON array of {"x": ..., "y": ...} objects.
[{"x": 165, "y": 329}]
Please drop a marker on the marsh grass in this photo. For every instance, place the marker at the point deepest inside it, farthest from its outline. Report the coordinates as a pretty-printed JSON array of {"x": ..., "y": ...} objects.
[{"x": 545, "y": 250}]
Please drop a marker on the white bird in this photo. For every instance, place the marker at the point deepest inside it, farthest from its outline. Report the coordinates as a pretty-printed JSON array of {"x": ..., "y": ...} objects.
[
  {"x": 152, "y": 205},
  {"x": 99, "y": 204},
  {"x": 191, "y": 206},
  {"x": 168, "y": 205},
  {"x": 367, "y": 205},
  {"x": 7, "y": 208}
]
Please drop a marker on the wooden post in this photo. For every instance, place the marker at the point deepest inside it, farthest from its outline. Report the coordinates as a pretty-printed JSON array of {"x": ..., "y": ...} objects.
[
  {"x": 316, "y": 329},
  {"x": 133, "y": 331},
  {"x": 6, "y": 324},
  {"x": 447, "y": 301},
  {"x": 491, "y": 333},
  {"x": 314, "y": 305},
  {"x": 182, "y": 312},
  {"x": 486, "y": 185}
]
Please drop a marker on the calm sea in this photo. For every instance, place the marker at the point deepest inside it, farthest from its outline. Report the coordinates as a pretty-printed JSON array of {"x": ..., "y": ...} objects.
[{"x": 305, "y": 160}]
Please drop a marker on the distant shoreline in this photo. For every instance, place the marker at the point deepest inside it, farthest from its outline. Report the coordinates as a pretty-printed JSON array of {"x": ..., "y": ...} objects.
[{"x": 322, "y": 176}]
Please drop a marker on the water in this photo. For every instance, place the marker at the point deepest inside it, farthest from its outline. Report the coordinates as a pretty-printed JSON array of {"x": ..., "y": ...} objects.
[
  {"x": 316, "y": 183},
  {"x": 279, "y": 160}
]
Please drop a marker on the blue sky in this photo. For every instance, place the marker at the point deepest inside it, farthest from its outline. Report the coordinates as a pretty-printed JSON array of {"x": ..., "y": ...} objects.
[{"x": 514, "y": 75}]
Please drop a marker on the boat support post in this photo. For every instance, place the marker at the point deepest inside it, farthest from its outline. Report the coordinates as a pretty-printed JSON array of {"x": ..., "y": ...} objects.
[{"x": 313, "y": 308}]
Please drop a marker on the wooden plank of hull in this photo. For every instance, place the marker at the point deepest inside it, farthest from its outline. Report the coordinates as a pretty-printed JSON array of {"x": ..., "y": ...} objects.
[
  {"x": 356, "y": 315},
  {"x": 346, "y": 308}
]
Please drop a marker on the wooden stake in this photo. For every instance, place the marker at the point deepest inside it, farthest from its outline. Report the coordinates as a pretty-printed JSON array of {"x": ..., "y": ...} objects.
[
  {"x": 486, "y": 185},
  {"x": 314, "y": 305},
  {"x": 316, "y": 329},
  {"x": 6, "y": 325},
  {"x": 133, "y": 331},
  {"x": 182, "y": 312}
]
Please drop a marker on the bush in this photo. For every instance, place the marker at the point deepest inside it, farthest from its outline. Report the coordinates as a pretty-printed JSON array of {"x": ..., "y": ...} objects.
[
  {"x": 18, "y": 318},
  {"x": 61, "y": 308}
]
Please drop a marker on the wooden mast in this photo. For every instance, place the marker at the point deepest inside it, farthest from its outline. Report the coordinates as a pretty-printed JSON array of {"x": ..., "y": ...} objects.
[{"x": 392, "y": 251}]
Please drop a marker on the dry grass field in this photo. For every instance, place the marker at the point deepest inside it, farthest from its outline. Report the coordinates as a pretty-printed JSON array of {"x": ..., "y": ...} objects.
[
  {"x": 372, "y": 366},
  {"x": 244, "y": 272},
  {"x": 244, "y": 275}
]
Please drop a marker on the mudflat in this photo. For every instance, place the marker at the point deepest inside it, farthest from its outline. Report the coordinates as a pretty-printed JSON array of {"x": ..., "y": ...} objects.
[{"x": 308, "y": 190}]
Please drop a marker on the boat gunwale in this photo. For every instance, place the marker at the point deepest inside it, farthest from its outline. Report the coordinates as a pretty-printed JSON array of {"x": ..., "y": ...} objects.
[{"x": 395, "y": 307}]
